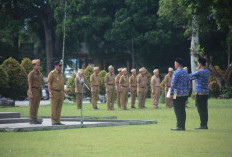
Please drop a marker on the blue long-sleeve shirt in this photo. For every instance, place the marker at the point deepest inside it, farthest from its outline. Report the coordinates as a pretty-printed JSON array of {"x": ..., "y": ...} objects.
[
  {"x": 180, "y": 82},
  {"x": 202, "y": 78}
]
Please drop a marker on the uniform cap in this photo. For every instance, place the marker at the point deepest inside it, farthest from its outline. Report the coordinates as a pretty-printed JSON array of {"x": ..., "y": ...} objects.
[
  {"x": 57, "y": 63},
  {"x": 133, "y": 70},
  {"x": 170, "y": 69},
  {"x": 124, "y": 70},
  {"x": 35, "y": 61},
  {"x": 156, "y": 70},
  {"x": 96, "y": 68},
  {"x": 110, "y": 67},
  {"x": 142, "y": 69},
  {"x": 119, "y": 69}
]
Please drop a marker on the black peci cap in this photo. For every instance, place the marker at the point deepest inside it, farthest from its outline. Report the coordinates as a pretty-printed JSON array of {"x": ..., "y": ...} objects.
[
  {"x": 180, "y": 61},
  {"x": 57, "y": 63},
  {"x": 202, "y": 61}
]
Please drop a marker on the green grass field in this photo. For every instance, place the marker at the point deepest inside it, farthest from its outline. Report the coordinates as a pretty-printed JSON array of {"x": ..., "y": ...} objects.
[{"x": 142, "y": 140}]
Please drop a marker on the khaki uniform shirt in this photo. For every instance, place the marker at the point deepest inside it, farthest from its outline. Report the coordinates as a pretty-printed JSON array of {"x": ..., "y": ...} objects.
[
  {"x": 78, "y": 85},
  {"x": 36, "y": 79},
  {"x": 142, "y": 81},
  {"x": 155, "y": 82},
  {"x": 95, "y": 80},
  {"x": 124, "y": 81},
  {"x": 133, "y": 81},
  {"x": 109, "y": 79},
  {"x": 117, "y": 79},
  {"x": 167, "y": 80},
  {"x": 56, "y": 79}
]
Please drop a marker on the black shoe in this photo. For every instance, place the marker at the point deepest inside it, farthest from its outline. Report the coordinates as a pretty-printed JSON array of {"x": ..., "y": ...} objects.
[
  {"x": 57, "y": 124},
  {"x": 34, "y": 122},
  {"x": 132, "y": 107},
  {"x": 178, "y": 129},
  {"x": 201, "y": 127}
]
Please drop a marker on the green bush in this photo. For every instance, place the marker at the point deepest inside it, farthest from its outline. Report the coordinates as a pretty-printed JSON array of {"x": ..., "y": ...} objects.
[
  {"x": 148, "y": 84},
  {"x": 214, "y": 89},
  {"x": 87, "y": 72},
  {"x": 227, "y": 92},
  {"x": 102, "y": 75},
  {"x": 4, "y": 80},
  {"x": 162, "y": 92},
  {"x": 17, "y": 79},
  {"x": 70, "y": 91},
  {"x": 27, "y": 64}
]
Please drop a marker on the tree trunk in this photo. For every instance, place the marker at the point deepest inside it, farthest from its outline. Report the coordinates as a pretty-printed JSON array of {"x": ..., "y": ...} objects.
[
  {"x": 15, "y": 43},
  {"x": 46, "y": 19},
  {"x": 194, "y": 44}
]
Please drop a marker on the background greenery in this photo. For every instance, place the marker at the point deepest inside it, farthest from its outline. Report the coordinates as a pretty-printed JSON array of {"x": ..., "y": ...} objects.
[{"x": 141, "y": 140}]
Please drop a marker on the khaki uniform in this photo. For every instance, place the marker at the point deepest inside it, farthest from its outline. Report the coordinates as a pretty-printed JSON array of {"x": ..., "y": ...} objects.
[
  {"x": 36, "y": 79},
  {"x": 124, "y": 83},
  {"x": 133, "y": 89},
  {"x": 78, "y": 90},
  {"x": 110, "y": 90},
  {"x": 95, "y": 89},
  {"x": 118, "y": 92},
  {"x": 167, "y": 82},
  {"x": 155, "y": 88},
  {"x": 56, "y": 79},
  {"x": 141, "y": 90}
]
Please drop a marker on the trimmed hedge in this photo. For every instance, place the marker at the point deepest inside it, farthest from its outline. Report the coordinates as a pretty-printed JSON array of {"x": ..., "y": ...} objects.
[
  {"x": 4, "y": 80},
  {"x": 27, "y": 64},
  {"x": 17, "y": 79}
]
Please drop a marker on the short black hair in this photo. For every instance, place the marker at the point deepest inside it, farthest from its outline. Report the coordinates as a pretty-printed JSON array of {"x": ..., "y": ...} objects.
[
  {"x": 180, "y": 61},
  {"x": 57, "y": 63},
  {"x": 202, "y": 61}
]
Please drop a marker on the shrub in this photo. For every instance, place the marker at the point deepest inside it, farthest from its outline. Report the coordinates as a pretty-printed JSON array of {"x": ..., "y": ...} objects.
[
  {"x": 227, "y": 92},
  {"x": 102, "y": 75},
  {"x": 214, "y": 89},
  {"x": 70, "y": 91},
  {"x": 87, "y": 72},
  {"x": 27, "y": 64},
  {"x": 162, "y": 92},
  {"x": 148, "y": 84},
  {"x": 4, "y": 80},
  {"x": 17, "y": 79}
]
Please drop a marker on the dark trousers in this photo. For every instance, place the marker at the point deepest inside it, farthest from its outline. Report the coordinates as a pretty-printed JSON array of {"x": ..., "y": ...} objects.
[
  {"x": 179, "y": 108},
  {"x": 202, "y": 107}
]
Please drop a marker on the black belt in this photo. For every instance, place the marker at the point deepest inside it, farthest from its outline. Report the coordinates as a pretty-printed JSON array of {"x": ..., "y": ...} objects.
[
  {"x": 57, "y": 90},
  {"x": 36, "y": 87},
  {"x": 110, "y": 84}
]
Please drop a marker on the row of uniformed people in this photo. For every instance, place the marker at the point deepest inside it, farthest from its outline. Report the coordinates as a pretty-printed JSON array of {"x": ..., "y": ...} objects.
[{"x": 121, "y": 83}]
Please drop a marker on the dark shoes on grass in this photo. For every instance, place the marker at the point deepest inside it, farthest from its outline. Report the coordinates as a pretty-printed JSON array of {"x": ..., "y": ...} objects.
[
  {"x": 178, "y": 129},
  {"x": 201, "y": 127}
]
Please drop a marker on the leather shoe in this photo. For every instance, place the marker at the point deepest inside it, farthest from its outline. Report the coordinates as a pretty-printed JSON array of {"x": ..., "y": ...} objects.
[
  {"x": 178, "y": 129},
  {"x": 34, "y": 122},
  {"x": 57, "y": 124},
  {"x": 201, "y": 127}
]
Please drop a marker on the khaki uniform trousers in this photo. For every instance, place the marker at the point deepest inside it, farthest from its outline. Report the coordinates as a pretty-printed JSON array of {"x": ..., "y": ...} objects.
[
  {"x": 155, "y": 96},
  {"x": 141, "y": 97},
  {"x": 110, "y": 97},
  {"x": 119, "y": 99},
  {"x": 94, "y": 96},
  {"x": 34, "y": 103},
  {"x": 78, "y": 100},
  {"x": 56, "y": 105},
  {"x": 168, "y": 101},
  {"x": 124, "y": 97},
  {"x": 133, "y": 96}
]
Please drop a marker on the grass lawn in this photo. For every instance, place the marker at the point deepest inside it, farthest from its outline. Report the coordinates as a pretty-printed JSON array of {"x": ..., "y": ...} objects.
[{"x": 142, "y": 140}]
